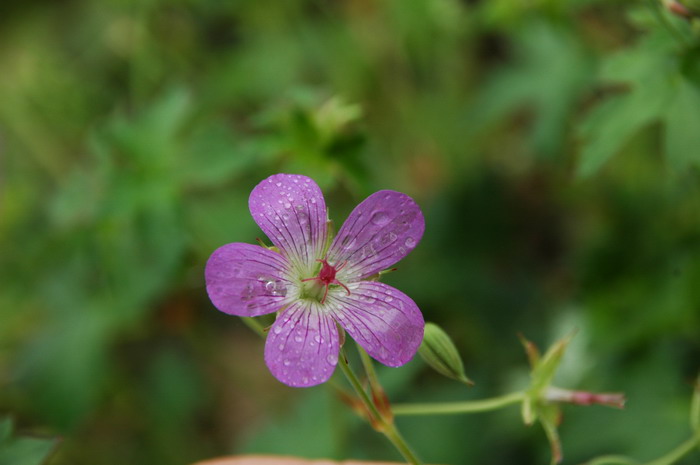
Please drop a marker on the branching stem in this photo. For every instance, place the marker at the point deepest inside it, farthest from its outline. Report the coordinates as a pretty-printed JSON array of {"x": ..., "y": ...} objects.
[{"x": 387, "y": 428}]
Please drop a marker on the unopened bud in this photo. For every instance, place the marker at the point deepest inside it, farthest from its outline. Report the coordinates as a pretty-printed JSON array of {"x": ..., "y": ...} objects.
[
  {"x": 609, "y": 399},
  {"x": 440, "y": 353}
]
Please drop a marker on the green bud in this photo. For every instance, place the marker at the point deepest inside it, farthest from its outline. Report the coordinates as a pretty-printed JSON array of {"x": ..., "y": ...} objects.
[{"x": 440, "y": 353}]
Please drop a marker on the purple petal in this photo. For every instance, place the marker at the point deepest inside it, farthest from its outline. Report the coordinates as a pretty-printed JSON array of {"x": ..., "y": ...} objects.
[
  {"x": 379, "y": 232},
  {"x": 302, "y": 346},
  {"x": 291, "y": 211},
  {"x": 248, "y": 280},
  {"x": 383, "y": 320}
]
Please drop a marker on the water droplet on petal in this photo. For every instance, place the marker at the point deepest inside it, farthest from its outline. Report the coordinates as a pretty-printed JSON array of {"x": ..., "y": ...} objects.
[
  {"x": 332, "y": 359},
  {"x": 277, "y": 329},
  {"x": 286, "y": 362},
  {"x": 287, "y": 205},
  {"x": 298, "y": 338},
  {"x": 388, "y": 299},
  {"x": 380, "y": 218},
  {"x": 410, "y": 242}
]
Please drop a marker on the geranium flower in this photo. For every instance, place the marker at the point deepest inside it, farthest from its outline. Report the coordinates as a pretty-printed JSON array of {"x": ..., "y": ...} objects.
[{"x": 316, "y": 285}]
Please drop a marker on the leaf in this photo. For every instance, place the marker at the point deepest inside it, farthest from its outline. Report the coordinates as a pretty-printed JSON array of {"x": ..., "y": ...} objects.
[
  {"x": 682, "y": 142},
  {"x": 550, "y": 72},
  {"x": 546, "y": 368},
  {"x": 649, "y": 71},
  {"x": 22, "y": 450},
  {"x": 611, "y": 124}
]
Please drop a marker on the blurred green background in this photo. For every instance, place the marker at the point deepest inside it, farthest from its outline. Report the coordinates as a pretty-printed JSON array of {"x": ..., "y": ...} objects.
[{"x": 553, "y": 145}]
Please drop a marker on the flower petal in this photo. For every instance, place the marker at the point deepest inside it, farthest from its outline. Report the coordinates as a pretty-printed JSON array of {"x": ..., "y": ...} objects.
[
  {"x": 248, "y": 280},
  {"x": 291, "y": 211},
  {"x": 382, "y": 319},
  {"x": 379, "y": 232},
  {"x": 302, "y": 346}
]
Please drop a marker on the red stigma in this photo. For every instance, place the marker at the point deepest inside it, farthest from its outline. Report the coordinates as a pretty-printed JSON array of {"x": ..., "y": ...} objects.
[{"x": 326, "y": 276}]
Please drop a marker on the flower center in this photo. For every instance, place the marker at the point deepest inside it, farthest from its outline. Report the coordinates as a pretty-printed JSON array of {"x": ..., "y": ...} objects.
[{"x": 318, "y": 289}]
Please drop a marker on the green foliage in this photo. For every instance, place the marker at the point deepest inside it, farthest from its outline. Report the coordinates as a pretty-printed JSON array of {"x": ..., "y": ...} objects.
[{"x": 552, "y": 144}]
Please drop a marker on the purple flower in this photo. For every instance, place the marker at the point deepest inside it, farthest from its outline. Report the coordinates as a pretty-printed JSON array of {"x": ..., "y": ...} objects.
[{"x": 317, "y": 285}]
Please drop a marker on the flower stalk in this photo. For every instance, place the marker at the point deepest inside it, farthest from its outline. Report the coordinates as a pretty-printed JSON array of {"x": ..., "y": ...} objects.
[
  {"x": 469, "y": 406},
  {"x": 383, "y": 425}
]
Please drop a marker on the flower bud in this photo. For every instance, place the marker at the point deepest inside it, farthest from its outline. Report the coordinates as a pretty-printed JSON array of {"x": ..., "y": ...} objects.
[
  {"x": 440, "y": 353},
  {"x": 609, "y": 399}
]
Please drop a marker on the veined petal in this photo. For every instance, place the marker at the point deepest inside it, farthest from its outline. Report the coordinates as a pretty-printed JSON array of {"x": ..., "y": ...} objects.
[
  {"x": 248, "y": 280},
  {"x": 382, "y": 319},
  {"x": 302, "y": 345},
  {"x": 379, "y": 232},
  {"x": 291, "y": 211}
]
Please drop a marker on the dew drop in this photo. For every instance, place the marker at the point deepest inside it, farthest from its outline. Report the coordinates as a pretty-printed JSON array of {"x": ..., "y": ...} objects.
[
  {"x": 298, "y": 338},
  {"x": 275, "y": 288},
  {"x": 280, "y": 347},
  {"x": 388, "y": 299},
  {"x": 318, "y": 338},
  {"x": 380, "y": 218},
  {"x": 279, "y": 184},
  {"x": 410, "y": 242},
  {"x": 287, "y": 205},
  {"x": 332, "y": 359},
  {"x": 277, "y": 329},
  {"x": 286, "y": 362}
]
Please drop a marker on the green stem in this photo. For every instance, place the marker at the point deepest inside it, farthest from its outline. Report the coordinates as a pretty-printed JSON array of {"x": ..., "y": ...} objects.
[
  {"x": 369, "y": 368},
  {"x": 469, "y": 406},
  {"x": 679, "y": 452},
  {"x": 612, "y": 460},
  {"x": 254, "y": 324},
  {"x": 388, "y": 429}
]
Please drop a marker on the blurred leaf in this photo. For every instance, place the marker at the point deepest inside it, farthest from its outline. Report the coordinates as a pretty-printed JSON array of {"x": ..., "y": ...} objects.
[
  {"x": 682, "y": 120},
  {"x": 612, "y": 123},
  {"x": 214, "y": 156},
  {"x": 550, "y": 73},
  {"x": 22, "y": 450},
  {"x": 649, "y": 70},
  {"x": 65, "y": 366},
  {"x": 315, "y": 415}
]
